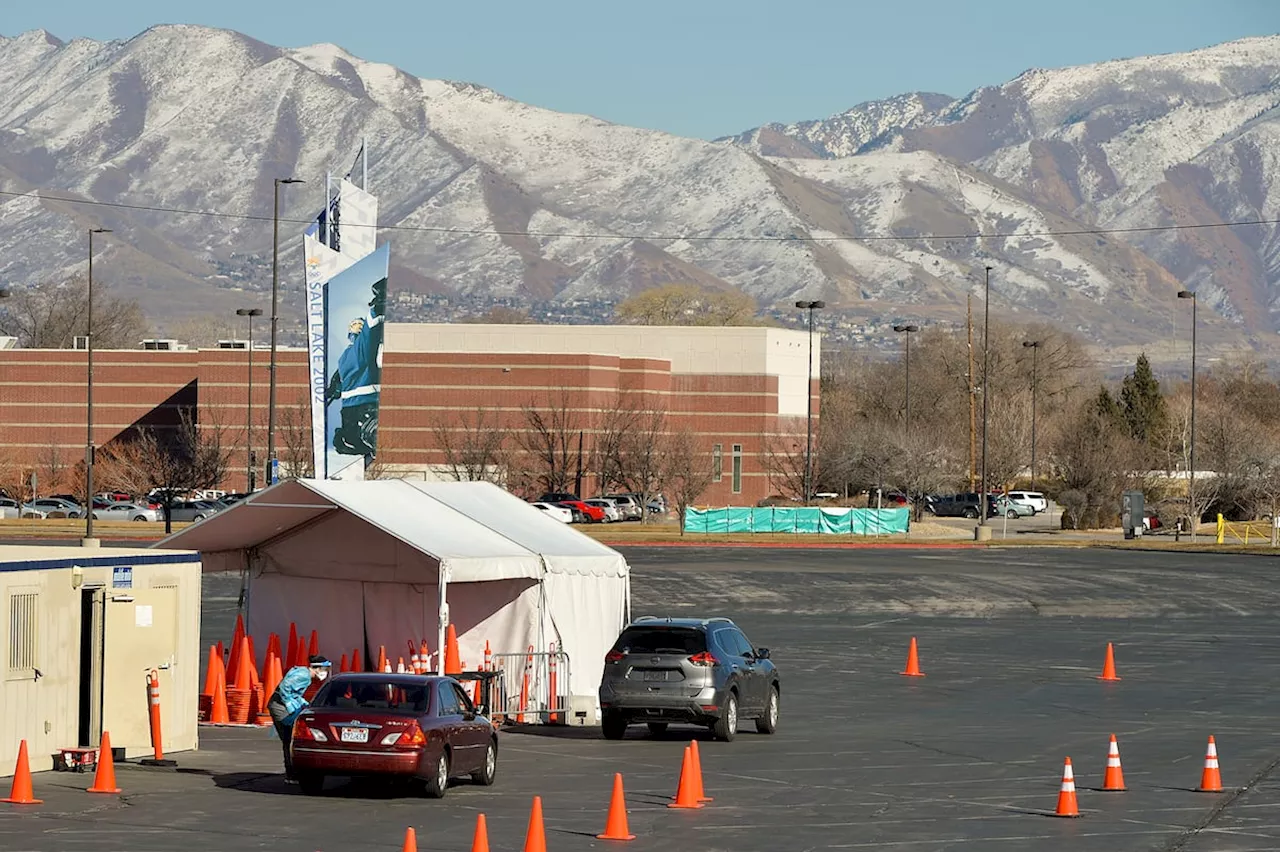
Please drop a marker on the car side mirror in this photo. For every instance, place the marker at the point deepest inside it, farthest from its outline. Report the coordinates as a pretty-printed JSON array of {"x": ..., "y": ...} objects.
[
  {"x": 468, "y": 715},
  {"x": 762, "y": 653},
  {"x": 482, "y": 710}
]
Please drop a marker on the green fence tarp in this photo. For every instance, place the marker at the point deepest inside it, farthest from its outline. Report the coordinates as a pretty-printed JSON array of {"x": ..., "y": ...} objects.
[{"x": 801, "y": 520}]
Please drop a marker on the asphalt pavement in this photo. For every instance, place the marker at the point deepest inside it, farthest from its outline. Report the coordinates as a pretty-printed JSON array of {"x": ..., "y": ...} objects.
[{"x": 967, "y": 758}]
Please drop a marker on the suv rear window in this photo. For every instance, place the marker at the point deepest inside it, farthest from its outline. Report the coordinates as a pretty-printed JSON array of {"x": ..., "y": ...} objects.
[
  {"x": 661, "y": 640},
  {"x": 373, "y": 695}
]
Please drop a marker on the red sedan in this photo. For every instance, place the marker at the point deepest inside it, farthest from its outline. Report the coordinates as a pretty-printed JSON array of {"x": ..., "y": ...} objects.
[
  {"x": 594, "y": 514},
  {"x": 415, "y": 728}
]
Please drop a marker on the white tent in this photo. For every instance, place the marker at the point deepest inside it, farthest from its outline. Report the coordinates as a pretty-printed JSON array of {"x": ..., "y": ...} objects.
[{"x": 380, "y": 563}]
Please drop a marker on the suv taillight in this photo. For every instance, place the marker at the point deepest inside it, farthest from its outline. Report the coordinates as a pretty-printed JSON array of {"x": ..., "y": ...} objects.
[
  {"x": 613, "y": 657},
  {"x": 706, "y": 658}
]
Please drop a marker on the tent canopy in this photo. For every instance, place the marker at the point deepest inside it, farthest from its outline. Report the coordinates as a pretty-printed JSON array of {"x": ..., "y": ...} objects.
[{"x": 376, "y": 563}]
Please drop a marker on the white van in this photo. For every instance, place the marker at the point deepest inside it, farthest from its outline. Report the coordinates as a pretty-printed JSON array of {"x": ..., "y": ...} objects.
[{"x": 1035, "y": 499}]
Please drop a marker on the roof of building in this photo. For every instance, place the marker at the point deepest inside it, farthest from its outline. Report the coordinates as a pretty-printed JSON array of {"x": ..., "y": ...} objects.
[{"x": 27, "y": 557}]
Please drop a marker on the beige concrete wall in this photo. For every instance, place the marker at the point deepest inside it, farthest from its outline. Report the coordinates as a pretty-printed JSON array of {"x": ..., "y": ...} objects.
[
  {"x": 749, "y": 350},
  {"x": 45, "y": 711}
]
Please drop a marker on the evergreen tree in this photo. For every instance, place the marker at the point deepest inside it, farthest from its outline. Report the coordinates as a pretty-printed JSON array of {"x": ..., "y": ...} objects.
[
  {"x": 1107, "y": 407},
  {"x": 1144, "y": 408}
]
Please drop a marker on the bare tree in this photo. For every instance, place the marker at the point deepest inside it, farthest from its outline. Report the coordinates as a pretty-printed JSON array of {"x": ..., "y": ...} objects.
[
  {"x": 688, "y": 471},
  {"x": 786, "y": 460},
  {"x": 51, "y": 314},
  {"x": 53, "y": 469},
  {"x": 550, "y": 443},
  {"x": 474, "y": 446},
  {"x": 168, "y": 462},
  {"x": 1092, "y": 453},
  {"x": 641, "y": 462},
  {"x": 206, "y": 330},
  {"x": 293, "y": 440},
  {"x": 502, "y": 315}
]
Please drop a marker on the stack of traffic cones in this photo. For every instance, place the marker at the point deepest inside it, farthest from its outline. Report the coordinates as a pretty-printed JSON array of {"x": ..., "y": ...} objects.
[
  {"x": 1067, "y": 805},
  {"x": 240, "y": 692},
  {"x": 216, "y": 684},
  {"x": 21, "y": 793}
]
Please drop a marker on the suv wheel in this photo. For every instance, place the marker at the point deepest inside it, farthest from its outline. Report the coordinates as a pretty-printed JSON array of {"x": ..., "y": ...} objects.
[
  {"x": 615, "y": 726},
  {"x": 726, "y": 727},
  {"x": 768, "y": 723},
  {"x": 971, "y": 514}
]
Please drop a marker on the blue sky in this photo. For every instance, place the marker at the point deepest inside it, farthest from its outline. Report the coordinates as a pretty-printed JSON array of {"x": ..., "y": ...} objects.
[{"x": 697, "y": 67}]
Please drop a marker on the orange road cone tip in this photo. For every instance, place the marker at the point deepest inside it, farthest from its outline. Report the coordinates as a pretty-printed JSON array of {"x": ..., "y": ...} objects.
[
  {"x": 1211, "y": 777},
  {"x": 452, "y": 662},
  {"x": 687, "y": 792},
  {"x": 1067, "y": 805},
  {"x": 616, "y": 826},
  {"x": 410, "y": 841},
  {"x": 535, "y": 839},
  {"x": 480, "y": 842},
  {"x": 1109, "y": 665},
  {"x": 1113, "y": 780},
  {"x": 913, "y": 661},
  {"x": 104, "y": 779},
  {"x": 21, "y": 793}
]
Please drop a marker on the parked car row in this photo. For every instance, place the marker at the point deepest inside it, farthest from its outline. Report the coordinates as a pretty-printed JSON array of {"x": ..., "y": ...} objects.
[
  {"x": 1015, "y": 504},
  {"x": 115, "y": 506},
  {"x": 610, "y": 508}
]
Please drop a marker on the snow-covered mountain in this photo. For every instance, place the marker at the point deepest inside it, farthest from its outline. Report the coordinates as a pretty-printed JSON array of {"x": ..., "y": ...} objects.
[
  {"x": 873, "y": 210},
  {"x": 1183, "y": 139}
]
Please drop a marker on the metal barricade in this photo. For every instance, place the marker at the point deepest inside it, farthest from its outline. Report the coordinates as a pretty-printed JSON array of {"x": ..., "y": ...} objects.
[{"x": 531, "y": 688}]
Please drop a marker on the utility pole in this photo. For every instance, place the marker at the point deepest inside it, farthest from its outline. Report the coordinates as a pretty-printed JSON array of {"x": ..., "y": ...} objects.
[{"x": 973, "y": 406}]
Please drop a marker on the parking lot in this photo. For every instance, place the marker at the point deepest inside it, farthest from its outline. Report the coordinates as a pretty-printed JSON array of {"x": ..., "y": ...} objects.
[{"x": 969, "y": 757}]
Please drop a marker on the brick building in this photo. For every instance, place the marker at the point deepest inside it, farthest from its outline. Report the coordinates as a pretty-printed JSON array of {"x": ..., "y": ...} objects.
[{"x": 740, "y": 392}]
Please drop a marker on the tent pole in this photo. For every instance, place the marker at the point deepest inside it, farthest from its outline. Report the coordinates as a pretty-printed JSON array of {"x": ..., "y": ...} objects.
[{"x": 442, "y": 618}]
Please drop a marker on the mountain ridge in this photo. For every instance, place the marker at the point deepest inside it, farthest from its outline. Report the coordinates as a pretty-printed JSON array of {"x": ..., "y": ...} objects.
[{"x": 490, "y": 198}]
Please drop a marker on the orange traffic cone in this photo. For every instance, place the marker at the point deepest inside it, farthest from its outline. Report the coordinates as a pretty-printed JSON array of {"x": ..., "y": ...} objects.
[
  {"x": 1113, "y": 780},
  {"x": 410, "y": 841},
  {"x": 104, "y": 780},
  {"x": 697, "y": 772},
  {"x": 382, "y": 659},
  {"x": 424, "y": 653},
  {"x": 480, "y": 842},
  {"x": 218, "y": 712},
  {"x": 1109, "y": 667},
  {"x": 687, "y": 792},
  {"x": 913, "y": 661},
  {"x": 242, "y": 674},
  {"x": 21, "y": 793},
  {"x": 233, "y": 663},
  {"x": 535, "y": 839},
  {"x": 210, "y": 675},
  {"x": 400, "y": 666},
  {"x": 313, "y": 648},
  {"x": 1067, "y": 806},
  {"x": 342, "y": 666},
  {"x": 355, "y": 660},
  {"x": 452, "y": 663},
  {"x": 616, "y": 826},
  {"x": 1211, "y": 777}
]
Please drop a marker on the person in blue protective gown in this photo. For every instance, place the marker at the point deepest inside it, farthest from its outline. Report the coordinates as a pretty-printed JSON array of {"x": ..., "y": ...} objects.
[{"x": 287, "y": 702}]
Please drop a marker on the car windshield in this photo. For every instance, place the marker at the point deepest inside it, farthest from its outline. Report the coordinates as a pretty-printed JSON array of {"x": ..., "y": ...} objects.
[
  {"x": 383, "y": 696},
  {"x": 662, "y": 640}
]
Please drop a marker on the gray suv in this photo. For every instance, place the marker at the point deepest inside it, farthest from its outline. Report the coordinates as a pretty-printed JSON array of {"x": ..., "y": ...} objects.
[{"x": 701, "y": 671}]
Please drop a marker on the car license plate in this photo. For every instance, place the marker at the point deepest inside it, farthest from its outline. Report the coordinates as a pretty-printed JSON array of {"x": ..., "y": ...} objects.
[
  {"x": 656, "y": 675},
  {"x": 354, "y": 735}
]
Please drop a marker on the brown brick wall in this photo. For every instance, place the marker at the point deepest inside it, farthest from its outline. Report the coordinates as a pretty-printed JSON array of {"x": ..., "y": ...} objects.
[{"x": 42, "y": 403}]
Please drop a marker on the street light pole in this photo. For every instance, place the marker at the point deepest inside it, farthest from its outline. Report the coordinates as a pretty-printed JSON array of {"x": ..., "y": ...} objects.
[
  {"x": 908, "y": 330},
  {"x": 1191, "y": 472},
  {"x": 89, "y": 540},
  {"x": 275, "y": 313},
  {"x": 986, "y": 346},
  {"x": 248, "y": 450},
  {"x": 1034, "y": 346},
  {"x": 808, "y": 447}
]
